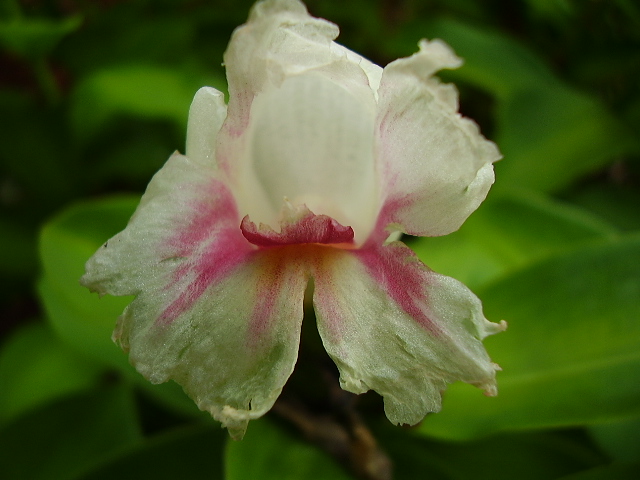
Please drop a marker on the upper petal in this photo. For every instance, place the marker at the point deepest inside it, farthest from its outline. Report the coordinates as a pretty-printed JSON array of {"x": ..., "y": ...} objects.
[
  {"x": 206, "y": 115},
  {"x": 394, "y": 326},
  {"x": 311, "y": 141},
  {"x": 301, "y": 119},
  {"x": 280, "y": 38},
  {"x": 437, "y": 167}
]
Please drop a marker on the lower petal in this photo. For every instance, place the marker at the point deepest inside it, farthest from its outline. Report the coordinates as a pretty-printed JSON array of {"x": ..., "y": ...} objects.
[
  {"x": 394, "y": 326},
  {"x": 235, "y": 346}
]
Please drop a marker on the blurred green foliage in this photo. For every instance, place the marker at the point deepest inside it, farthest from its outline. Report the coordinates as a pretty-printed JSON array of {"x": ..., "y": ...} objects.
[{"x": 94, "y": 97}]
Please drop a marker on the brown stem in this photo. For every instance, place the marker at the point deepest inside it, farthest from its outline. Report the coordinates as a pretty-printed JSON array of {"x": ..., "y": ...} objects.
[{"x": 343, "y": 434}]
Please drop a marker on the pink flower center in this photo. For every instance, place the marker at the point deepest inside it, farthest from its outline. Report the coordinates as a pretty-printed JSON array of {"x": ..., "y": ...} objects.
[{"x": 308, "y": 228}]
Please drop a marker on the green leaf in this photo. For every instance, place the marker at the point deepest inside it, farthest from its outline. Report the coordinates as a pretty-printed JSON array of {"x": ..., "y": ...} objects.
[
  {"x": 572, "y": 351},
  {"x": 615, "y": 471},
  {"x": 552, "y": 135},
  {"x": 66, "y": 438},
  {"x": 269, "y": 452},
  {"x": 184, "y": 453},
  {"x": 82, "y": 319},
  {"x": 35, "y": 368},
  {"x": 34, "y": 38},
  {"x": 506, "y": 233},
  {"x": 492, "y": 61},
  {"x": 522, "y": 456},
  {"x": 621, "y": 440},
  {"x": 148, "y": 92},
  {"x": 616, "y": 203}
]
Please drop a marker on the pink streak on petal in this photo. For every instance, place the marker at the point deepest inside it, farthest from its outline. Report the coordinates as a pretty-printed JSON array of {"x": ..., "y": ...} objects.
[
  {"x": 325, "y": 296},
  {"x": 310, "y": 228},
  {"x": 394, "y": 268},
  {"x": 386, "y": 219},
  {"x": 269, "y": 287},
  {"x": 212, "y": 246}
]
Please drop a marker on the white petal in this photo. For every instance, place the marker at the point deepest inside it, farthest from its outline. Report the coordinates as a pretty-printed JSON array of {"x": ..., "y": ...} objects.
[
  {"x": 371, "y": 70},
  {"x": 175, "y": 217},
  {"x": 211, "y": 312},
  {"x": 206, "y": 115},
  {"x": 311, "y": 141},
  {"x": 235, "y": 346},
  {"x": 291, "y": 88},
  {"x": 394, "y": 326},
  {"x": 437, "y": 166}
]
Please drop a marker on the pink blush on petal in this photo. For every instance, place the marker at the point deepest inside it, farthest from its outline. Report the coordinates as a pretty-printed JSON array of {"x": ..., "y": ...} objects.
[
  {"x": 391, "y": 267},
  {"x": 219, "y": 259},
  {"x": 216, "y": 210},
  {"x": 212, "y": 247}
]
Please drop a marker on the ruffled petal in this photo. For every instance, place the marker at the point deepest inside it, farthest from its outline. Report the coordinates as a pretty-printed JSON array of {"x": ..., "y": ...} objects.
[
  {"x": 211, "y": 311},
  {"x": 436, "y": 165},
  {"x": 185, "y": 210},
  {"x": 298, "y": 226},
  {"x": 234, "y": 347},
  {"x": 279, "y": 39},
  {"x": 394, "y": 326}
]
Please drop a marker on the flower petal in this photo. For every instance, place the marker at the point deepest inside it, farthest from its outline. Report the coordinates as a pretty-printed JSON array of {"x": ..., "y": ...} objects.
[
  {"x": 300, "y": 120},
  {"x": 280, "y": 38},
  {"x": 235, "y": 346},
  {"x": 211, "y": 311},
  {"x": 206, "y": 115},
  {"x": 298, "y": 226},
  {"x": 396, "y": 327},
  {"x": 437, "y": 165},
  {"x": 311, "y": 141},
  {"x": 184, "y": 208}
]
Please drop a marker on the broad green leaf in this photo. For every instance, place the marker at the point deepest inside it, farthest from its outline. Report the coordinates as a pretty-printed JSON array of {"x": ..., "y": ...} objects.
[
  {"x": 552, "y": 135},
  {"x": 269, "y": 452},
  {"x": 35, "y": 37},
  {"x": 621, "y": 440},
  {"x": 618, "y": 204},
  {"x": 35, "y": 368},
  {"x": 522, "y": 456},
  {"x": 616, "y": 471},
  {"x": 64, "y": 439},
  {"x": 149, "y": 92},
  {"x": 508, "y": 232},
  {"x": 185, "y": 453},
  {"x": 571, "y": 354},
  {"x": 83, "y": 319}
]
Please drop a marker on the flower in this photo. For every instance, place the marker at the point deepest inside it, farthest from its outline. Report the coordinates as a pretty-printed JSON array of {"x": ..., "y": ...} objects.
[{"x": 317, "y": 164}]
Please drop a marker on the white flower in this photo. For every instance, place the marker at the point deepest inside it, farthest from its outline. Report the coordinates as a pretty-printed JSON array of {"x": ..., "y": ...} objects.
[{"x": 319, "y": 157}]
